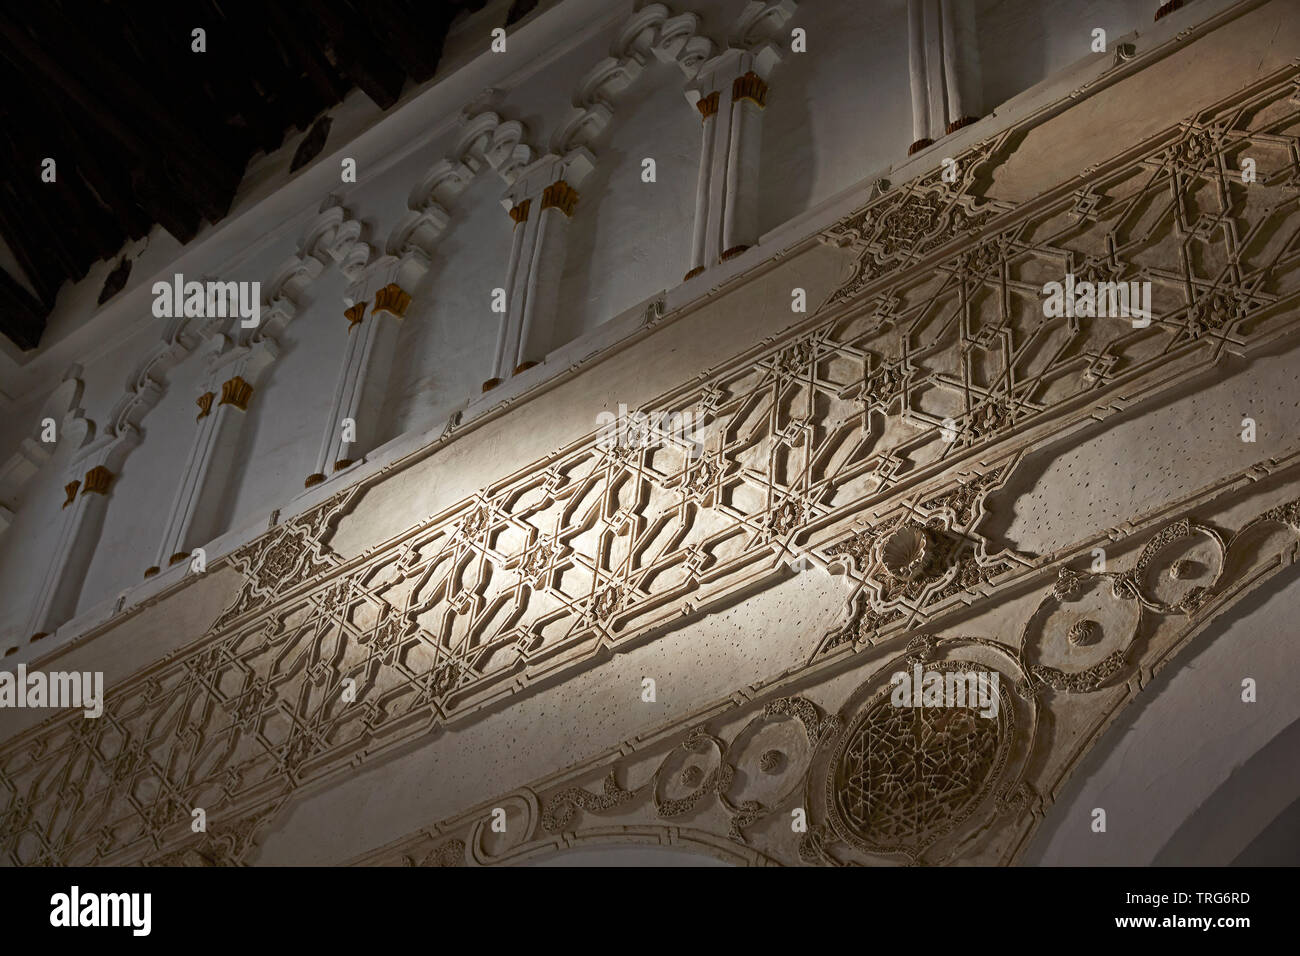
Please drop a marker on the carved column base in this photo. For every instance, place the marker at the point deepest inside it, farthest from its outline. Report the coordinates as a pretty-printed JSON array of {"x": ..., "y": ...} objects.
[
  {"x": 523, "y": 367},
  {"x": 491, "y": 384},
  {"x": 37, "y": 636},
  {"x": 963, "y": 122},
  {"x": 177, "y": 558},
  {"x": 732, "y": 253},
  {"x": 693, "y": 273},
  {"x": 342, "y": 463},
  {"x": 151, "y": 571},
  {"x": 919, "y": 145},
  {"x": 313, "y": 480}
]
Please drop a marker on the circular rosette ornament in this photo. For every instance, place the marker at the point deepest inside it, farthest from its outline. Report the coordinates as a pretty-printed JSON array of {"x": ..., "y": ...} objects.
[
  {"x": 690, "y": 774},
  {"x": 769, "y": 757},
  {"x": 1179, "y": 568},
  {"x": 903, "y": 552},
  {"x": 1078, "y": 637},
  {"x": 903, "y": 776},
  {"x": 927, "y": 744}
]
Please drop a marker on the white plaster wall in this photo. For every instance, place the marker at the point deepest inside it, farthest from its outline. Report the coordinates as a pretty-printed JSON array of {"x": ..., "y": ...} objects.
[
  {"x": 28, "y": 544},
  {"x": 1159, "y": 451},
  {"x": 541, "y": 95},
  {"x": 1022, "y": 42},
  {"x": 630, "y": 239},
  {"x": 838, "y": 113},
  {"x": 445, "y": 349},
  {"x": 286, "y": 417}
]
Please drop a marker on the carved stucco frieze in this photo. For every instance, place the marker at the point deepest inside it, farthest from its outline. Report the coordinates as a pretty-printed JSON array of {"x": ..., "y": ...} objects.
[
  {"x": 880, "y": 784},
  {"x": 865, "y": 440}
]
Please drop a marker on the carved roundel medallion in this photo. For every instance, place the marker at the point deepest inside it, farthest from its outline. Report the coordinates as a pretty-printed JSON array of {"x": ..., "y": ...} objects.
[{"x": 902, "y": 777}]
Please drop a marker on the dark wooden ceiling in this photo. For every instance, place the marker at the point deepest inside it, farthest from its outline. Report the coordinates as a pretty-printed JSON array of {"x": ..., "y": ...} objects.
[{"x": 144, "y": 130}]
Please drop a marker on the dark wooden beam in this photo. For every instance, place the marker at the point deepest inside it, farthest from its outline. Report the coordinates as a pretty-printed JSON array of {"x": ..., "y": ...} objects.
[
  {"x": 22, "y": 315},
  {"x": 147, "y": 129},
  {"x": 361, "y": 56},
  {"x": 406, "y": 35}
]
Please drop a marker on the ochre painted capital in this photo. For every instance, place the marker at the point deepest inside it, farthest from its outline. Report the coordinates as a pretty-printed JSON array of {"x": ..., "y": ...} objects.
[
  {"x": 708, "y": 105},
  {"x": 97, "y": 481},
  {"x": 70, "y": 489},
  {"x": 560, "y": 195},
  {"x": 204, "y": 402},
  {"x": 392, "y": 299},
  {"x": 519, "y": 212},
  {"x": 749, "y": 87},
  {"x": 237, "y": 392},
  {"x": 355, "y": 314}
]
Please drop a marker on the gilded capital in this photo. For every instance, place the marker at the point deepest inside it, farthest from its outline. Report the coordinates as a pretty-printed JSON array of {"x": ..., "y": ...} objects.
[
  {"x": 708, "y": 105},
  {"x": 560, "y": 195},
  {"x": 519, "y": 213},
  {"x": 237, "y": 392},
  {"x": 204, "y": 402},
  {"x": 70, "y": 489}
]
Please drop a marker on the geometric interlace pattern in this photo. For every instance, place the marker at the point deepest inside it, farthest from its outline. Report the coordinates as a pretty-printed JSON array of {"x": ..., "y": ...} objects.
[{"x": 934, "y": 348}]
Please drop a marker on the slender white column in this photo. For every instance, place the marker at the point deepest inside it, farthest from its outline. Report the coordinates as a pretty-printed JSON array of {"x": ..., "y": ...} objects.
[
  {"x": 541, "y": 201},
  {"x": 740, "y": 206},
  {"x": 88, "y": 481},
  {"x": 916, "y": 67},
  {"x": 521, "y": 241},
  {"x": 951, "y": 84},
  {"x": 359, "y": 392},
  {"x": 708, "y": 107},
  {"x": 730, "y": 92},
  {"x": 959, "y": 67},
  {"x": 536, "y": 333},
  {"x": 233, "y": 377}
]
